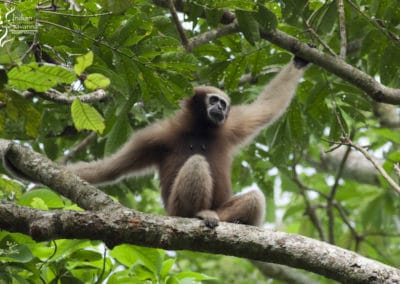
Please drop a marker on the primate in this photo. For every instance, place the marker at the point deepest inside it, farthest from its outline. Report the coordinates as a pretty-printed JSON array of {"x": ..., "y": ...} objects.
[{"x": 192, "y": 151}]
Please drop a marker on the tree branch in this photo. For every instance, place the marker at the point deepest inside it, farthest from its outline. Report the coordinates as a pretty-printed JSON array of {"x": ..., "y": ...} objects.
[
  {"x": 357, "y": 167},
  {"x": 38, "y": 168},
  {"x": 282, "y": 273},
  {"x": 212, "y": 34},
  {"x": 342, "y": 29},
  {"x": 379, "y": 168},
  {"x": 57, "y": 97},
  {"x": 173, "y": 233},
  {"x": 81, "y": 145},
  {"x": 310, "y": 210},
  {"x": 333, "y": 64},
  {"x": 331, "y": 198},
  {"x": 178, "y": 25}
]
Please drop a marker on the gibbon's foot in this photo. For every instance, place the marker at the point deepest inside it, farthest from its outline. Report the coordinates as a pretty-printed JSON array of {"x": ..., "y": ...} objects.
[
  {"x": 210, "y": 218},
  {"x": 300, "y": 62}
]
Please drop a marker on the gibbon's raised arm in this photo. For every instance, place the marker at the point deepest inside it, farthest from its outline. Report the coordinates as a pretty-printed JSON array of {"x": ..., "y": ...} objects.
[
  {"x": 139, "y": 155},
  {"x": 246, "y": 121}
]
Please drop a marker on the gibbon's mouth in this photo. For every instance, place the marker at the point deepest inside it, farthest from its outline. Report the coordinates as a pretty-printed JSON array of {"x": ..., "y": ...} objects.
[{"x": 217, "y": 116}]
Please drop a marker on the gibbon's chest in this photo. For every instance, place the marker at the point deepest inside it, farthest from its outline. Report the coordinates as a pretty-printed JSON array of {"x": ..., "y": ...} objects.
[
  {"x": 190, "y": 144},
  {"x": 186, "y": 145}
]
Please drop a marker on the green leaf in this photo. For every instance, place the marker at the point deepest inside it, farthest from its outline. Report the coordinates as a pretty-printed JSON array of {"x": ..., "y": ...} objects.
[
  {"x": 19, "y": 254},
  {"x": 96, "y": 81},
  {"x": 87, "y": 117},
  {"x": 35, "y": 197},
  {"x": 166, "y": 267},
  {"x": 39, "y": 78},
  {"x": 83, "y": 62},
  {"x": 133, "y": 30},
  {"x": 117, "y": 7},
  {"x": 213, "y": 16},
  {"x": 266, "y": 19},
  {"x": 24, "y": 112},
  {"x": 389, "y": 66},
  {"x": 85, "y": 255},
  {"x": 32, "y": 122},
  {"x": 388, "y": 134},
  {"x": 119, "y": 134},
  {"x": 233, "y": 72},
  {"x": 194, "y": 276},
  {"x": 248, "y": 25},
  {"x": 128, "y": 255}
]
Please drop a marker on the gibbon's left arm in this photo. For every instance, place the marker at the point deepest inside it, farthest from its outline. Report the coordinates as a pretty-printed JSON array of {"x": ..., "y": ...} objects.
[{"x": 246, "y": 121}]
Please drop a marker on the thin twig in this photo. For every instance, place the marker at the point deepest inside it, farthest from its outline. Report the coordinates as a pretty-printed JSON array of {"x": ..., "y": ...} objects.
[
  {"x": 81, "y": 145},
  {"x": 330, "y": 201},
  {"x": 178, "y": 25},
  {"x": 97, "y": 41},
  {"x": 375, "y": 23},
  {"x": 76, "y": 15},
  {"x": 379, "y": 168},
  {"x": 212, "y": 35},
  {"x": 314, "y": 33},
  {"x": 342, "y": 29},
  {"x": 357, "y": 237},
  {"x": 396, "y": 168},
  {"x": 310, "y": 210}
]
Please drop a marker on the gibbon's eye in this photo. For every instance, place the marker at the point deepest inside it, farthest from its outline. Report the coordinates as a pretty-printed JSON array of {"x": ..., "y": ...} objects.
[
  {"x": 214, "y": 100},
  {"x": 223, "y": 104}
]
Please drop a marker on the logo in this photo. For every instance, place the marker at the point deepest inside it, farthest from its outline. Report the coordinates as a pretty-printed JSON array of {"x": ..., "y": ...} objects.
[{"x": 13, "y": 23}]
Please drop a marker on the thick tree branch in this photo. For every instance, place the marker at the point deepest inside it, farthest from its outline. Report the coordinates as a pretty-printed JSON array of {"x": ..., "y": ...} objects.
[
  {"x": 125, "y": 226},
  {"x": 40, "y": 169}
]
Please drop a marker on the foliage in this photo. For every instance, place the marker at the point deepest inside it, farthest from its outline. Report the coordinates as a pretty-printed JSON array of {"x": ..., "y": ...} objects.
[{"x": 132, "y": 50}]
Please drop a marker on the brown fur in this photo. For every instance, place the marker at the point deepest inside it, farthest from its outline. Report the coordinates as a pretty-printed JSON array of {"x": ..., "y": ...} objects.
[{"x": 193, "y": 156}]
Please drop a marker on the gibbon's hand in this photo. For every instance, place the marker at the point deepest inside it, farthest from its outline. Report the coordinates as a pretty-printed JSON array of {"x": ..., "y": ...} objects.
[{"x": 300, "y": 62}]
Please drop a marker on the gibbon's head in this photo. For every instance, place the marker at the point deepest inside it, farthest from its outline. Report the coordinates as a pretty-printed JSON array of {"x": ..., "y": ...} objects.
[{"x": 213, "y": 102}]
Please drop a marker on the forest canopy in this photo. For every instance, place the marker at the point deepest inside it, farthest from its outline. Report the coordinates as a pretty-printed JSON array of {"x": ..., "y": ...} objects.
[{"x": 78, "y": 78}]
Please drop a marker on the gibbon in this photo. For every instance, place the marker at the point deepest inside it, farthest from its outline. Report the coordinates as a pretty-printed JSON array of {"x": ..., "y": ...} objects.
[{"x": 192, "y": 151}]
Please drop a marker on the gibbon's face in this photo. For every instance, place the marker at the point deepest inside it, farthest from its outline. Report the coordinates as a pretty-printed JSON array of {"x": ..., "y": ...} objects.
[{"x": 217, "y": 108}]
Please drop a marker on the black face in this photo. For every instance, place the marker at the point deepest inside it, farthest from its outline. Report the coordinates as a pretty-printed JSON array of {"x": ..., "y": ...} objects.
[{"x": 217, "y": 109}]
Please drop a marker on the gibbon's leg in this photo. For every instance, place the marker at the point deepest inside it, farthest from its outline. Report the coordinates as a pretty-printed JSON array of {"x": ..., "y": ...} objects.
[
  {"x": 192, "y": 191},
  {"x": 247, "y": 208}
]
